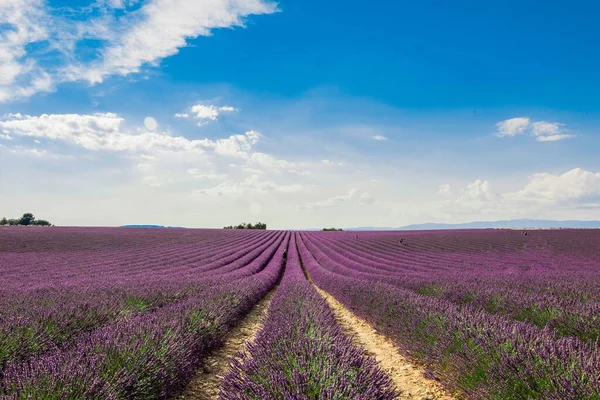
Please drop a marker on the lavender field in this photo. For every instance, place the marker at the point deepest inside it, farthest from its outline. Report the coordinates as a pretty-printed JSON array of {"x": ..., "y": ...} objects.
[{"x": 112, "y": 313}]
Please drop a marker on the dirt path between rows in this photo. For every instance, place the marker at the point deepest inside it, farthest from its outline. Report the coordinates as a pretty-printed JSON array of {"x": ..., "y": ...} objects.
[
  {"x": 207, "y": 384},
  {"x": 408, "y": 378}
]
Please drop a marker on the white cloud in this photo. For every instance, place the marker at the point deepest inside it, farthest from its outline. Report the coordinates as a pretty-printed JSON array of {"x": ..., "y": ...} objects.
[
  {"x": 513, "y": 126},
  {"x": 549, "y": 131},
  {"x": 270, "y": 162},
  {"x": 355, "y": 196},
  {"x": 131, "y": 37},
  {"x": 553, "y": 138},
  {"x": 477, "y": 196},
  {"x": 106, "y": 131},
  {"x": 543, "y": 193},
  {"x": 479, "y": 190},
  {"x": 543, "y": 128},
  {"x": 182, "y": 115},
  {"x": 379, "y": 138},
  {"x": 543, "y": 131},
  {"x": 571, "y": 185},
  {"x": 205, "y": 113},
  {"x": 23, "y": 19},
  {"x": 161, "y": 27}
]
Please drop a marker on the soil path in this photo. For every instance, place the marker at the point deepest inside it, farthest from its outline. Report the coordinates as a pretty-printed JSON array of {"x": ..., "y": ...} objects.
[
  {"x": 408, "y": 378},
  {"x": 207, "y": 384}
]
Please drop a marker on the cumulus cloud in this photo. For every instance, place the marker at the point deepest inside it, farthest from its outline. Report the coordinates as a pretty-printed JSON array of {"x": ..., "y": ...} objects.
[
  {"x": 477, "y": 196},
  {"x": 575, "y": 184},
  {"x": 479, "y": 190},
  {"x": 543, "y": 131},
  {"x": 106, "y": 131},
  {"x": 205, "y": 113},
  {"x": 130, "y": 38},
  {"x": 355, "y": 196},
  {"x": 543, "y": 192}
]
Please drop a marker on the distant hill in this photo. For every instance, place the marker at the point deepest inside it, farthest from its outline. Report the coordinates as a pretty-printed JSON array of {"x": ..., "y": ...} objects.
[{"x": 508, "y": 224}]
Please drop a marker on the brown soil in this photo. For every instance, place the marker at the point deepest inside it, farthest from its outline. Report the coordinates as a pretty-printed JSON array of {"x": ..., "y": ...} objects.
[
  {"x": 407, "y": 377},
  {"x": 207, "y": 384}
]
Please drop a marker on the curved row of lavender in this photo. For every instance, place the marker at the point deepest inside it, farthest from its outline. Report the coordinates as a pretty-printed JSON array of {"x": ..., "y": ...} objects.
[
  {"x": 301, "y": 352},
  {"x": 516, "y": 350},
  {"x": 115, "y": 313}
]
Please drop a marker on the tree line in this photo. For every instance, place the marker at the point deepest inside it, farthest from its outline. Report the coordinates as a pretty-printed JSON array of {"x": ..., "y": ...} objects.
[
  {"x": 243, "y": 225},
  {"x": 332, "y": 229},
  {"x": 26, "y": 220}
]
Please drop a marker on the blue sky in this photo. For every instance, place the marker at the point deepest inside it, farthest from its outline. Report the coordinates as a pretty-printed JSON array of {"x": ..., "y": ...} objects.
[{"x": 301, "y": 114}]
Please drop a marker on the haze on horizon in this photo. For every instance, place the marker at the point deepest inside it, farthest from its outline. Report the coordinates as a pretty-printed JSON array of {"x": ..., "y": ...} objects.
[{"x": 299, "y": 114}]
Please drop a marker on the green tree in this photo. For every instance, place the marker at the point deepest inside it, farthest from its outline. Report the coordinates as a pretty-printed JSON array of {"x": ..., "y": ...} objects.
[
  {"x": 244, "y": 225},
  {"x": 26, "y": 219},
  {"x": 41, "y": 222},
  {"x": 3, "y": 221}
]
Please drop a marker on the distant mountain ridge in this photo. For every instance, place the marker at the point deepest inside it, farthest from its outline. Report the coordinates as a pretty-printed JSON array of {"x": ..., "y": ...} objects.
[{"x": 506, "y": 224}]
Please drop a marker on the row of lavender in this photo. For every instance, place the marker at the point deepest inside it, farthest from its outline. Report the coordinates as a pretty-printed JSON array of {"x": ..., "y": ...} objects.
[
  {"x": 34, "y": 321},
  {"x": 301, "y": 352},
  {"x": 124, "y": 337},
  {"x": 481, "y": 353},
  {"x": 554, "y": 286}
]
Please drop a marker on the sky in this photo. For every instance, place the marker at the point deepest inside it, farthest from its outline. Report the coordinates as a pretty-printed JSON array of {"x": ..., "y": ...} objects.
[{"x": 300, "y": 114}]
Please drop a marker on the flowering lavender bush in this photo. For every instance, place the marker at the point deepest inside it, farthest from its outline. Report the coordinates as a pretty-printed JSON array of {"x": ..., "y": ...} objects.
[
  {"x": 301, "y": 353},
  {"x": 146, "y": 336},
  {"x": 478, "y": 352},
  {"x": 112, "y": 313}
]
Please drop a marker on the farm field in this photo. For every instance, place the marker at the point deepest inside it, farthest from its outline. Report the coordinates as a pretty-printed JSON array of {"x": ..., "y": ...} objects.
[{"x": 113, "y": 313}]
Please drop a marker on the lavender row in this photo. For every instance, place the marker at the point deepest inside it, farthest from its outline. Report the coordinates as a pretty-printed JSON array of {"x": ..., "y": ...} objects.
[
  {"x": 482, "y": 355},
  {"x": 40, "y": 321},
  {"x": 301, "y": 353},
  {"x": 566, "y": 315},
  {"x": 152, "y": 355},
  {"x": 28, "y": 265}
]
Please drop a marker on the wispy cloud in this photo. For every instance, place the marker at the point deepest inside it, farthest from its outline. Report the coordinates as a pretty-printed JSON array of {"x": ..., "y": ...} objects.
[
  {"x": 125, "y": 38},
  {"x": 543, "y": 131},
  {"x": 513, "y": 126},
  {"x": 380, "y": 138}
]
